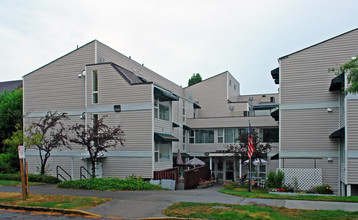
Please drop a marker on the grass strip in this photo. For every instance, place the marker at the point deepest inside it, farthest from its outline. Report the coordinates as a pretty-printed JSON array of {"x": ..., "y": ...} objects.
[
  {"x": 242, "y": 192},
  {"x": 17, "y": 183},
  {"x": 227, "y": 212},
  {"x": 51, "y": 201}
]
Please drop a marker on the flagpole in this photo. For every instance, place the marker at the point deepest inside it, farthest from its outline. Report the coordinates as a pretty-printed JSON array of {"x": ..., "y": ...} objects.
[
  {"x": 250, "y": 173},
  {"x": 250, "y": 179}
]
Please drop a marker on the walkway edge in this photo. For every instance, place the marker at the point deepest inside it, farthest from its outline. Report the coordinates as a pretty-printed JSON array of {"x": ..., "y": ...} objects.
[{"x": 44, "y": 209}]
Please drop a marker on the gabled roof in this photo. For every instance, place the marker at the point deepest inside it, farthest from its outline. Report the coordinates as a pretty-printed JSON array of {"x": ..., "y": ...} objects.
[
  {"x": 127, "y": 75},
  {"x": 283, "y": 57},
  {"x": 10, "y": 85}
]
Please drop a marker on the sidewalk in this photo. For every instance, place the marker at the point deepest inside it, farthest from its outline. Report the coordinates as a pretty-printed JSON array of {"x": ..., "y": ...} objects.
[{"x": 144, "y": 204}]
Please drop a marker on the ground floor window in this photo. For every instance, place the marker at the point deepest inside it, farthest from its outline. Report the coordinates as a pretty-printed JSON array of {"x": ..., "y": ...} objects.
[{"x": 162, "y": 151}]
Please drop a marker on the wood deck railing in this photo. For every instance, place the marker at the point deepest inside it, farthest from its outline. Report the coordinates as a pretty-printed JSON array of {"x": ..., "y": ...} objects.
[
  {"x": 193, "y": 176},
  {"x": 171, "y": 174}
]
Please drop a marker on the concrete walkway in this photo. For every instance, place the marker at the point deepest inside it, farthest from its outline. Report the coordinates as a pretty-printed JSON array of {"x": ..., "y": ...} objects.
[{"x": 144, "y": 204}]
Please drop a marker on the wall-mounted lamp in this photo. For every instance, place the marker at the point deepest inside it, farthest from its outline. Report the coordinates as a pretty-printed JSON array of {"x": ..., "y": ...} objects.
[
  {"x": 83, "y": 116},
  {"x": 330, "y": 159},
  {"x": 329, "y": 110},
  {"x": 82, "y": 75}
]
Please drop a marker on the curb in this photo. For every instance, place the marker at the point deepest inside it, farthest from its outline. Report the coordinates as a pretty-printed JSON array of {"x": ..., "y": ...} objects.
[{"x": 44, "y": 209}]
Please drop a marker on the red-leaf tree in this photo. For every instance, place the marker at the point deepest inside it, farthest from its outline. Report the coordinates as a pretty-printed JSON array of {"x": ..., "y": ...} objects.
[
  {"x": 97, "y": 138},
  {"x": 240, "y": 149},
  {"x": 47, "y": 134}
]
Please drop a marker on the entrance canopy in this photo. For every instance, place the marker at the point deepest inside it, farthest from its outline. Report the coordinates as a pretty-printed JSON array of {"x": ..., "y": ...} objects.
[{"x": 257, "y": 161}]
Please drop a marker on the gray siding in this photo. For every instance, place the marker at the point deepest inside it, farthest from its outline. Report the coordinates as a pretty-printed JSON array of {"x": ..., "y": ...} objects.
[
  {"x": 110, "y": 55},
  {"x": 56, "y": 85},
  {"x": 123, "y": 167},
  {"x": 137, "y": 127},
  {"x": 113, "y": 89},
  {"x": 308, "y": 129},
  {"x": 54, "y": 161},
  {"x": 352, "y": 140},
  {"x": 329, "y": 169},
  {"x": 212, "y": 96},
  {"x": 235, "y": 122},
  {"x": 162, "y": 126},
  {"x": 304, "y": 75},
  {"x": 162, "y": 165}
]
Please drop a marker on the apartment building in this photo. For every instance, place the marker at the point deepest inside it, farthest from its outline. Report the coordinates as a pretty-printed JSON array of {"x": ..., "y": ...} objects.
[
  {"x": 158, "y": 116},
  {"x": 318, "y": 124}
]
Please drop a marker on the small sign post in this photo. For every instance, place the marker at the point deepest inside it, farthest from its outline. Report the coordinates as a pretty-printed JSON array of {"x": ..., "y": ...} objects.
[{"x": 21, "y": 150}]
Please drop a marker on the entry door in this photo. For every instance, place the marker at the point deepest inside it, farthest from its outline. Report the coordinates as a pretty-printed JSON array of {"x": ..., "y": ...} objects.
[
  {"x": 220, "y": 168},
  {"x": 229, "y": 170}
]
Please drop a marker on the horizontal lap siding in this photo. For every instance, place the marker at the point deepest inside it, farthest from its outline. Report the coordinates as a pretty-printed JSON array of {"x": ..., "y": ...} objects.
[
  {"x": 308, "y": 129},
  {"x": 202, "y": 148},
  {"x": 304, "y": 75},
  {"x": 236, "y": 122},
  {"x": 352, "y": 140},
  {"x": 162, "y": 126},
  {"x": 352, "y": 170},
  {"x": 110, "y": 55},
  {"x": 329, "y": 169},
  {"x": 57, "y": 86},
  {"x": 137, "y": 128},
  {"x": 73, "y": 119},
  {"x": 162, "y": 165},
  {"x": 65, "y": 162},
  {"x": 123, "y": 167},
  {"x": 113, "y": 89},
  {"x": 212, "y": 96}
]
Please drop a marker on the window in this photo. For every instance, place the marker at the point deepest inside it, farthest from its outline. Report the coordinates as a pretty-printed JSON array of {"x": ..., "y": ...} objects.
[
  {"x": 156, "y": 108},
  {"x": 162, "y": 109},
  {"x": 220, "y": 135},
  {"x": 272, "y": 99},
  {"x": 95, "y": 87},
  {"x": 184, "y": 113},
  {"x": 204, "y": 136},
  {"x": 231, "y": 134},
  {"x": 234, "y": 86},
  {"x": 270, "y": 134},
  {"x": 192, "y": 136},
  {"x": 184, "y": 139},
  {"x": 162, "y": 152},
  {"x": 95, "y": 126}
]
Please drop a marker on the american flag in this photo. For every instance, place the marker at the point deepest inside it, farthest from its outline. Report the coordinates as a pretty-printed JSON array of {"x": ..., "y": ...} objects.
[{"x": 250, "y": 149}]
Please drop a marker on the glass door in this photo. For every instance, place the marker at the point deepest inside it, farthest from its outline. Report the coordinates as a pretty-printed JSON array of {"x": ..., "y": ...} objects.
[
  {"x": 229, "y": 170},
  {"x": 220, "y": 169}
]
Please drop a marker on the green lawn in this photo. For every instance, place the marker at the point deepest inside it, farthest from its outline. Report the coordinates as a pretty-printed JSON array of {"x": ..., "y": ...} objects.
[
  {"x": 17, "y": 183},
  {"x": 243, "y": 192},
  {"x": 225, "y": 211},
  {"x": 51, "y": 201}
]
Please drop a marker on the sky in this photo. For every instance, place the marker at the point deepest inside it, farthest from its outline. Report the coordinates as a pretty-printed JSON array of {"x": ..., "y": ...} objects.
[{"x": 173, "y": 38}]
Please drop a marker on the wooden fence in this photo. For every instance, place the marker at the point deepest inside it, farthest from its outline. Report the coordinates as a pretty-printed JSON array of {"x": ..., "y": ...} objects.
[
  {"x": 171, "y": 174},
  {"x": 193, "y": 176}
]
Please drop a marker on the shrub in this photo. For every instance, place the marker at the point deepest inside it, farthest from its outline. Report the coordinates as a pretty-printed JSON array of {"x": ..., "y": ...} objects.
[
  {"x": 271, "y": 180},
  {"x": 131, "y": 183},
  {"x": 32, "y": 178},
  {"x": 280, "y": 176},
  {"x": 323, "y": 189},
  {"x": 230, "y": 185},
  {"x": 275, "y": 180}
]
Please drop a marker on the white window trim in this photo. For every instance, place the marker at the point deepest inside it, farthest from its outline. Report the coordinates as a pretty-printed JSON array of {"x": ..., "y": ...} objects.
[{"x": 95, "y": 92}]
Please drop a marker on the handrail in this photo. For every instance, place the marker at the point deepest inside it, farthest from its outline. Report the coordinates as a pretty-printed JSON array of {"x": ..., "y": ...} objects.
[
  {"x": 81, "y": 175},
  {"x": 58, "y": 174}
]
